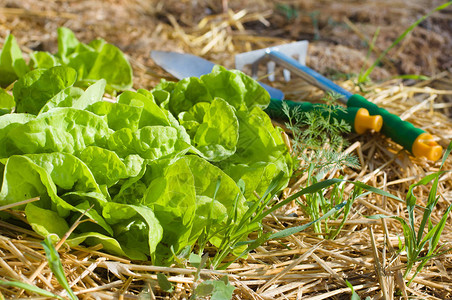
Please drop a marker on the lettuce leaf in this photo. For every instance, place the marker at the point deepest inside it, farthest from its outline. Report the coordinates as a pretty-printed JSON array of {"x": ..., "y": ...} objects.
[
  {"x": 105, "y": 165},
  {"x": 150, "y": 142},
  {"x": 259, "y": 147},
  {"x": 112, "y": 65},
  {"x": 12, "y": 63},
  {"x": 117, "y": 115},
  {"x": 187, "y": 93},
  {"x": 136, "y": 228},
  {"x": 172, "y": 198},
  {"x": 76, "y": 97},
  {"x": 33, "y": 90},
  {"x": 49, "y": 176},
  {"x": 7, "y": 102},
  {"x": 94, "y": 61},
  {"x": 58, "y": 130},
  {"x": 43, "y": 60},
  {"x": 45, "y": 221},
  {"x": 152, "y": 114},
  {"x": 221, "y": 200},
  {"x": 215, "y": 129}
]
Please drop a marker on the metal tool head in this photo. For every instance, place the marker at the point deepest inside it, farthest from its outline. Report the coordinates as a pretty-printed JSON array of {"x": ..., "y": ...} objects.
[
  {"x": 297, "y": 50},
  {"x": 182, "y": 65}
]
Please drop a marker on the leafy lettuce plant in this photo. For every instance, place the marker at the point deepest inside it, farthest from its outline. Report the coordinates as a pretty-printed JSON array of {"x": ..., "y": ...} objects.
[
  {"x": 147, "y": 164},
  {"x": 93, "y": 61}
]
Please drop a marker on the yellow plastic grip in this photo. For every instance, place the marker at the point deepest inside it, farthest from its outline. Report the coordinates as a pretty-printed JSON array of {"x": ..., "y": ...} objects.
[
  {"x": 424, "y": 145},
  {"x": 365, "y": 122}
]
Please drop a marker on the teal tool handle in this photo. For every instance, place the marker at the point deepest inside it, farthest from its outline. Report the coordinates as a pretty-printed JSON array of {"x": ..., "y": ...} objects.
[
  {"x": 358, "y": 118},
  {"x": 413, "y": 139}
]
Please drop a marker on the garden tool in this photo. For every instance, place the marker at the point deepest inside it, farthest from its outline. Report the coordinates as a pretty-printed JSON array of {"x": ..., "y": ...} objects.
[
  {"x": 186, "y": 65},
  {"x": 415, "y": 140}
]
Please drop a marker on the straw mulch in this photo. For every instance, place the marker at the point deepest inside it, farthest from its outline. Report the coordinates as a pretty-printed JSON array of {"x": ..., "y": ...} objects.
[{"x": 302, "y": 266}]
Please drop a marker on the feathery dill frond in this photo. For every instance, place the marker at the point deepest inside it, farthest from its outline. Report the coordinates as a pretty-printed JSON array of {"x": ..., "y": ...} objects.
[{"x": 318, "y": 137}]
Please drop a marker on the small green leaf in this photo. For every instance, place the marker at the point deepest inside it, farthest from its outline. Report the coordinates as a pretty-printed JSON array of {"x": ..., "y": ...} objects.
[
  {"x": 164, "y": 283},
  {"x": 204, "y": 289},
  {"x": 354, "y": 296},
  {"x": 195, "y": 260},
  {"x": 45, "y": 222},
  {"x": 218, "y": 289}
]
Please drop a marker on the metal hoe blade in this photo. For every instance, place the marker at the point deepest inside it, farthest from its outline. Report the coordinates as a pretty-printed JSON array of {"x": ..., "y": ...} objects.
[
  {"x": 297, "y": 50},
  {"x": 182, "y": 65},
  {"x": 284, "y": 56}
]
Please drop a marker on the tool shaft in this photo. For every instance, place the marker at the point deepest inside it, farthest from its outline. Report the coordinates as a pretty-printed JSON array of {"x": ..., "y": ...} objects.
[{"x": 308, "y": 74}]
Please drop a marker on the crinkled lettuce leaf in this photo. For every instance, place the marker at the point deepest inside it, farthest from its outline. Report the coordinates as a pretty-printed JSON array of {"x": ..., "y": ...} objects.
[
  {"x": 186, "y": 199},
  {"x": 105, "y": 165},
  {"x": 117, "y": 115},
  {"x": 240, "y": 90},
  {"x": 260, "y": 145},
  {"x": 75, "y": 97},
  {"x": 64, "y": 98},
  {"x": 172, "y": 198},
  {"x": 43, "y": 60},
  {"x": 95, "y": 60},
  {"x": 214, "y": 129},
  {"x": 58, "y": 130},
  {"x": 33, "y": 90},
  {"x": 150, "y": 142},
  {"x": 49, "y": 176},
  {"x": 187, "y": 93},
  {"x": 135, "y": 227},
  {"x": 152, "y": 114}
]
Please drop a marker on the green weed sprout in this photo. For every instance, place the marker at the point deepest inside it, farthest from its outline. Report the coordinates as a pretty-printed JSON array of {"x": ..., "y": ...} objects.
[
  {"x": 364, "y": 77},
  {"x": 317, "y": 142},
  {"x": 56, "y": 267},
  {"x": 421, "y": 243},
  {"x": 235, "y": 234}
]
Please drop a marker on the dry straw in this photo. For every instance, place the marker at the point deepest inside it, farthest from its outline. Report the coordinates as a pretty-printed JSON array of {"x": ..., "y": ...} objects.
[{"x": 301, "y": 266}]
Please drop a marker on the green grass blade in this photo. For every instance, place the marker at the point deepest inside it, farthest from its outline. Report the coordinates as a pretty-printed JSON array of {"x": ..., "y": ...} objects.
[
  {"x": 293, "y": 230},
  {"x": 357, "y": 192},
  {"x": 56, "y": 266},
  {"x": 374, "y": 190},
  {"x": 412, "y": 77},
  {"x": 30, "y": 288},
  {"x": 361, "y": 79},
  {"x": 446, "y": 153},
  {"x": 431, "y": 203},
  {"x": 400, "y": 38},
  {"x": 270, "y": 191},
  {"x": 309, "y": 190},
  {"x": 438, "y": 229}
]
